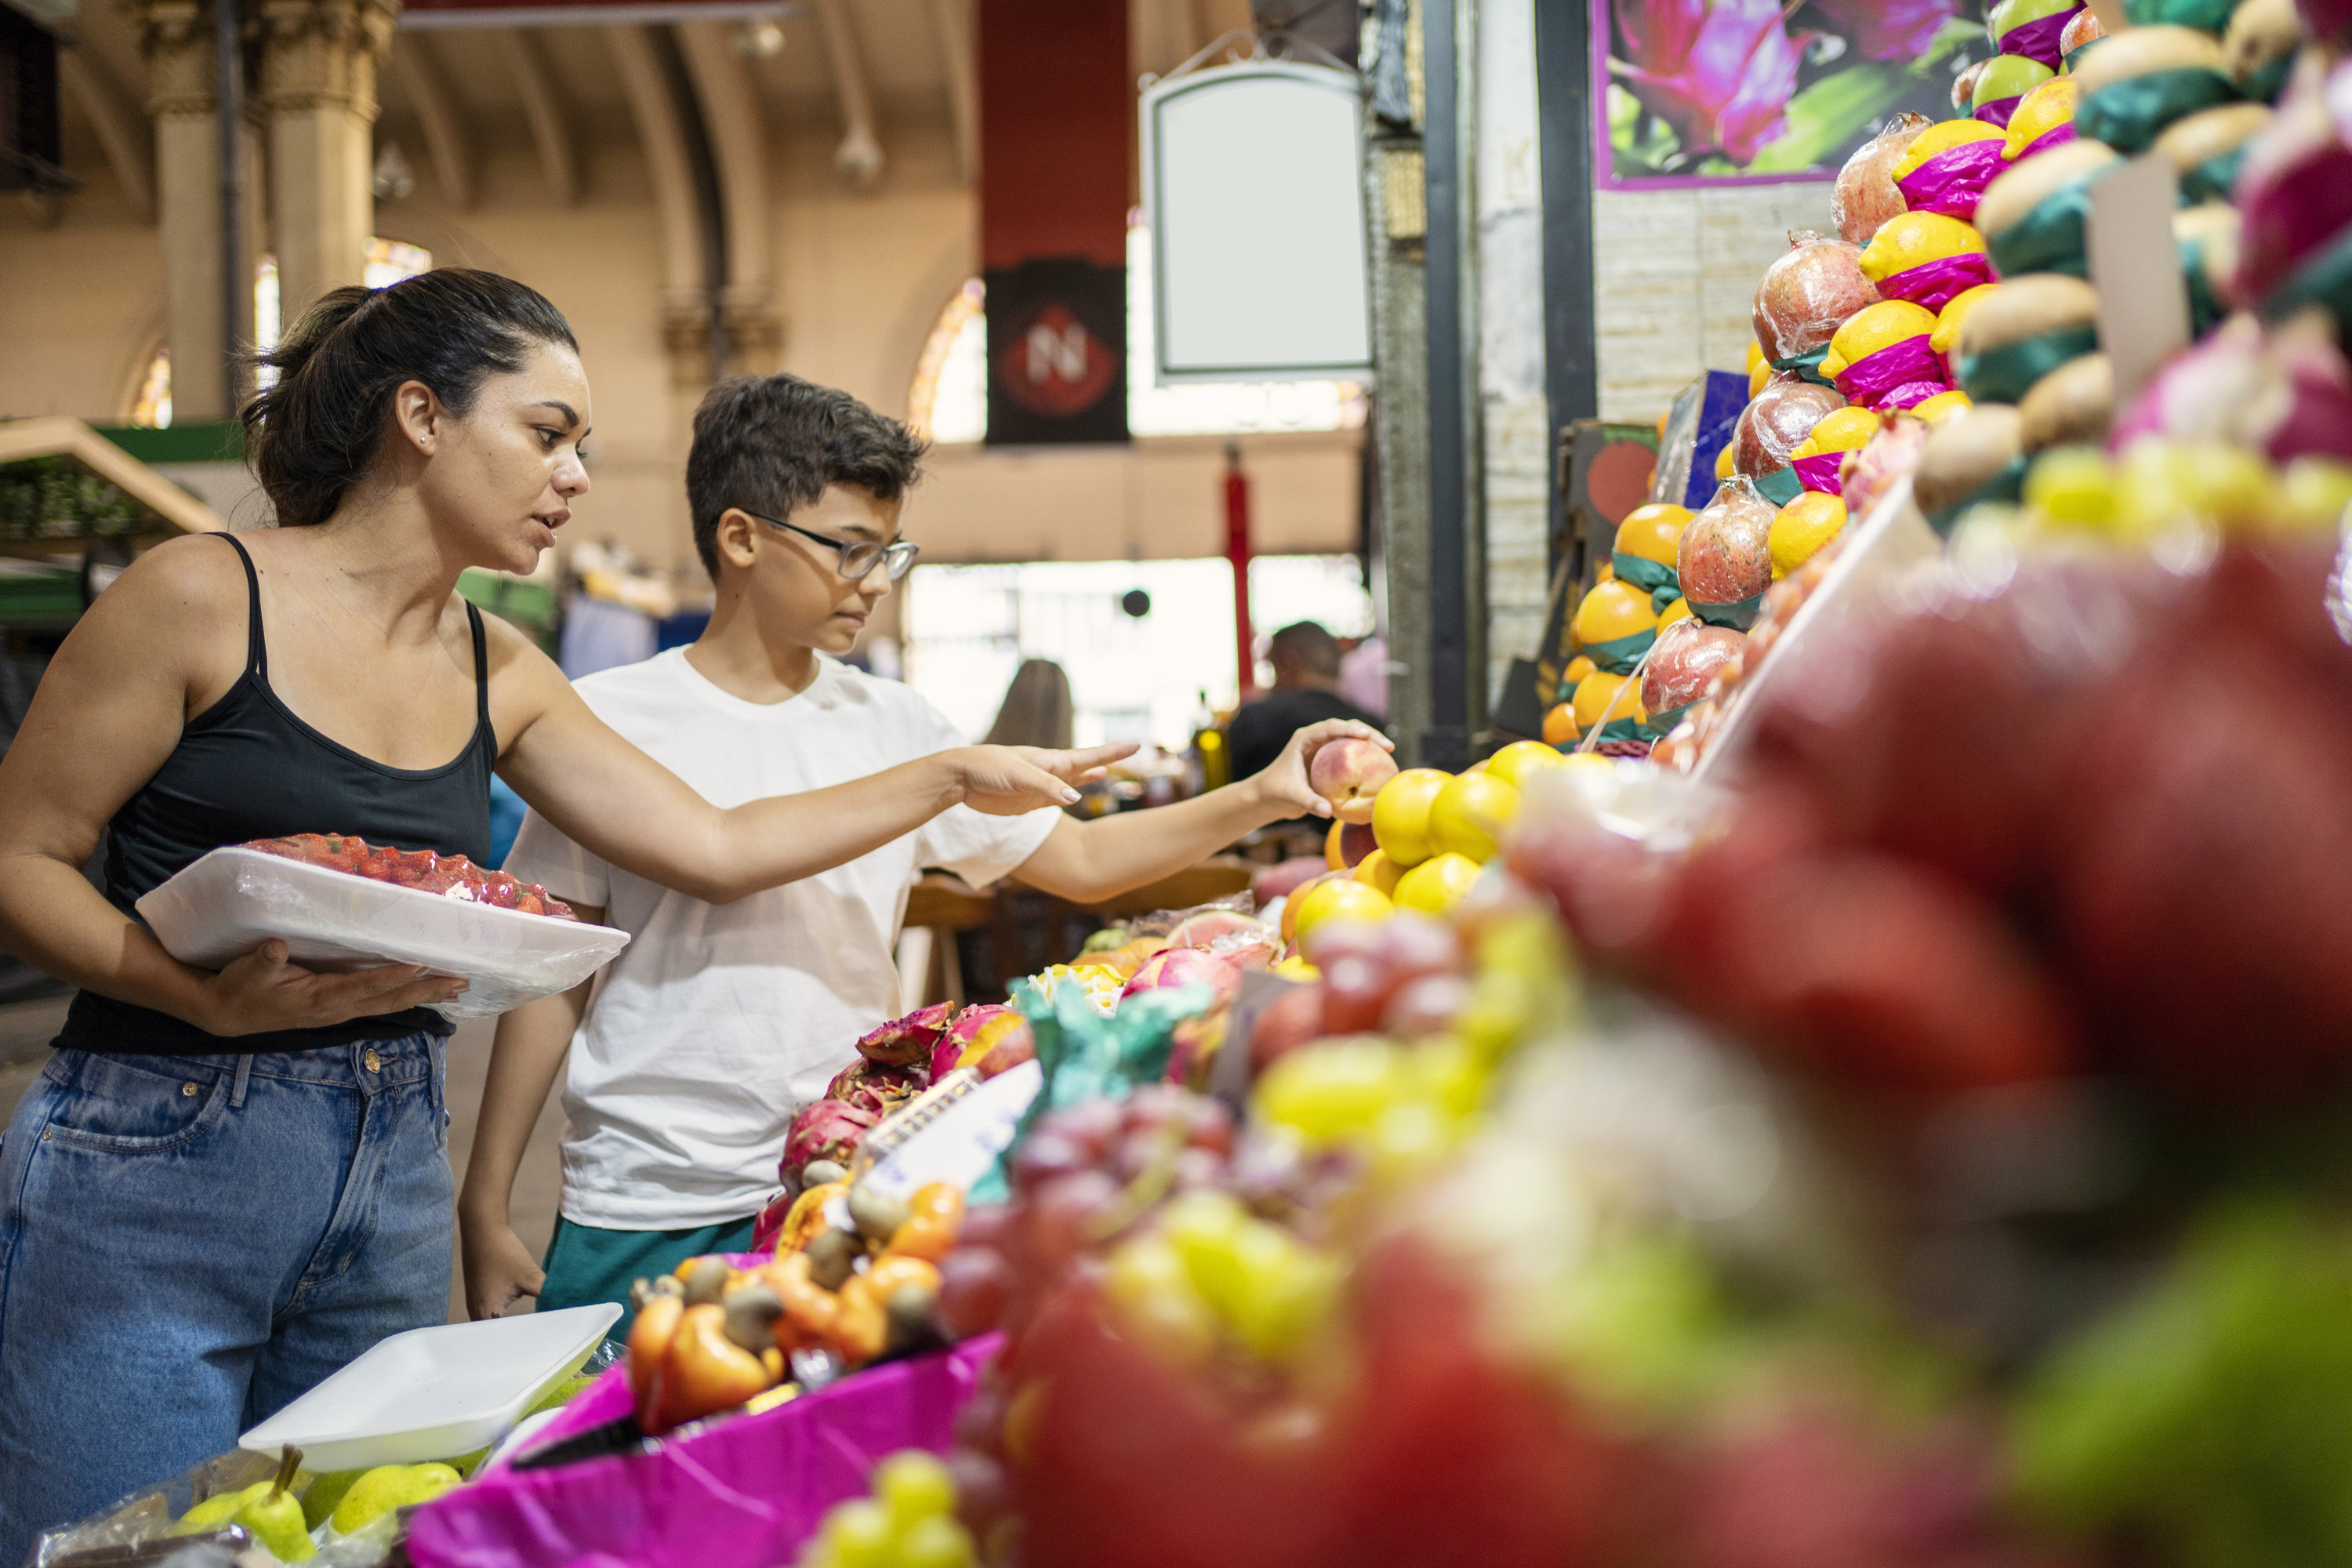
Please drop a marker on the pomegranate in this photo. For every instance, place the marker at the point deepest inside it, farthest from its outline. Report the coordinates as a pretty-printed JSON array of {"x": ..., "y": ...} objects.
[
  {"x": 1724, "y": 557},
  {"x": 1685, "y": 660},
  {"x": 1775, "y": 419},
  {"x": 1865, "y": 195},
  {"x": 1808, "y": 293}
]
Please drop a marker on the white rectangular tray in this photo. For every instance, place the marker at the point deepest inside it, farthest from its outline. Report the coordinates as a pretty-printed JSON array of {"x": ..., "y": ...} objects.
[
  {"x": 435, "y": 1394},
  {"x": 233, "y": 899}
]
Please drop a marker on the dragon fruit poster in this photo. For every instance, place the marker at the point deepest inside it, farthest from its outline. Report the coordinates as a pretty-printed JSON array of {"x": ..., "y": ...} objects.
[{"x": 1727, "y": 91}]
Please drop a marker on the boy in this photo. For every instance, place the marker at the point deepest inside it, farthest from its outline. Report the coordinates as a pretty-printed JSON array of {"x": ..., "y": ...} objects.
[{"x": 716, "y": 1023}]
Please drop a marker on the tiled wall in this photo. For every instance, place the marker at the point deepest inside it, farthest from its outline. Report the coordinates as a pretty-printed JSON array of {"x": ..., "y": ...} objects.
[{"x": 1674, "y": 275}]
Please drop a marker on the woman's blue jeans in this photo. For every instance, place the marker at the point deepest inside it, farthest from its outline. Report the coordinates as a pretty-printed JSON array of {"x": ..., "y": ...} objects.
[{"x": 188, "y": 1243}]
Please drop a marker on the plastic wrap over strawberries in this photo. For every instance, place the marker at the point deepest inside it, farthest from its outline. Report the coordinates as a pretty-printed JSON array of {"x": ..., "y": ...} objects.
[
  {"x": 425, "y": 870},
  {"x": 2060, "y": 815}
]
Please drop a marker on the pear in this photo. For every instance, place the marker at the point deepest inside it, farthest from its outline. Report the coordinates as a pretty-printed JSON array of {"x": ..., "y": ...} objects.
[
  {"x": 275, "y": 1518},
  {"x": 388, "y": 1487},
  {"x": 218, "y": 1510},
  {"x": 324, "y": 1493}
]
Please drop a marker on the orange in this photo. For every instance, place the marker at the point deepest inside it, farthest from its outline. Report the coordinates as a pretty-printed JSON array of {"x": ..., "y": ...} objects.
[
  {"x": 1471, "y": 814},
  {"x": 1654, "y": 532},
  {"x": 1602, "y": 699},
  {"x": 1401, "y": 814},
  {"x": 1342, "y": 899},
  {"x": 1559, "y": 725},
  {"x": 1723, "y": 461},
  {"x": 1578, "y": 668},
  {"x": 1613, "y": 610},
  {"x": 1437, "y": 884},
  {"x": 1679, "y": 610}
]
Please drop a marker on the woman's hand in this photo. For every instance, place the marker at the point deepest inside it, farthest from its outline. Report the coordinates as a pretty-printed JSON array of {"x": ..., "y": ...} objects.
[
  {"x": 262, "y": 992},
  {"x": 1284, "y": 782},
  {"x": 499, "y": 1269},
  {"x": 1009, "y": 780}
]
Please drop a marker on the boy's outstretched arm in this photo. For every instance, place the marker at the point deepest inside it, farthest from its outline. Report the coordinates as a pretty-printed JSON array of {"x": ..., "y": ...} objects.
[
  {"x": 531, "y": 1044},
  {"x": 1087, "y": 862}
]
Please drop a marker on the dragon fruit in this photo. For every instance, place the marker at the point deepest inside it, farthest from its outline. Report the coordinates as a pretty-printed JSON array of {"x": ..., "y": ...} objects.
[
  {"x": 824, "y": 1130},
  {"x": 908, "y": 1041},
  {"x": 969, "y": 1027},
  {"x": 870, "y": 1086},
  {"x": 1187, "y": 966}
]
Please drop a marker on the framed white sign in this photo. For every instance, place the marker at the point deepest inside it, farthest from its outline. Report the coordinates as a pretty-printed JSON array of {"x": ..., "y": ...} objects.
[{"x": 1253, "y": 186}]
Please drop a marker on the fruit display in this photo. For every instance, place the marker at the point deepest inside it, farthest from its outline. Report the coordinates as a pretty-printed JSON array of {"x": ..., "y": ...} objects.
[
  {"x": 423, "y": 870},
  {"x": 908, "y": 1522}
]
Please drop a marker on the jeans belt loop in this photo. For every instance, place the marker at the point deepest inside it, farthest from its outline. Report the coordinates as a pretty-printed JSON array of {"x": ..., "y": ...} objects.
[{"x": 237, "y": 1085}]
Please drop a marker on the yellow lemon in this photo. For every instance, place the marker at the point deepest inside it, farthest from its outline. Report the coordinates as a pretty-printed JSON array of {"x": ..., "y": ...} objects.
[
  {"x": 1947, "y": 323},
  {"x": 1755, "y": 352},
  {"x": 1401, "y": 815},
  {"x": 1934, "y": 410},
  {"x": 1723, "y": 460},
  {"x": 1602, "y": 699},
  {"x": 1604, "y": 572},
  {"x": 1522, "y": 760},
  {"x": 1578, "y": 668},
  {"x": 1295, "y": 968},
  {"x": 1653, "y": 531},
  {"x": 1376, "y": 871},
  {"x": 2039, "y": 112},
  {"x": 1757, "y": 378},
  {"x": 1942, "y": 137},
  {"x": 1471, "y": 814},
  {"x": 1802, "y": 527},
  {"x": 1437, "y": 884},
  {"x": 1613, "y": 610},
  {"x": 1340, "y": 899},
  {"x": 1872, "y": 327},
  {"x": 1678, "y": 611},
  {"x": 1840, "y": 430},
  {"x": 1912, "y": 239}
]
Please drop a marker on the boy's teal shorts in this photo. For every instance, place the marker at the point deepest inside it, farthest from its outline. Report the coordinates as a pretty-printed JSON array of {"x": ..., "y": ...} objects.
[{"x": 586, "y": 1264}]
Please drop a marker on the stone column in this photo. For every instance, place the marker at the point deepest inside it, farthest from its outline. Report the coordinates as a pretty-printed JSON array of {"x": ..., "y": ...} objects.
[
  {"x": 182, "y": 96},
  {"x": 317, "y": 87}
]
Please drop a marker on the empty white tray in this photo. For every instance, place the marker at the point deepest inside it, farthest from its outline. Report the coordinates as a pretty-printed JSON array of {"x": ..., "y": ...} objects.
[
  {"x": 231, "y": 901},
  {"x": 435, "y": 1394}
]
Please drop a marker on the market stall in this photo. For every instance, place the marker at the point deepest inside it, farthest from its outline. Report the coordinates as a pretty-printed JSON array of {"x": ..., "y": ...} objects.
[{"x": 1866, "y": 1088}]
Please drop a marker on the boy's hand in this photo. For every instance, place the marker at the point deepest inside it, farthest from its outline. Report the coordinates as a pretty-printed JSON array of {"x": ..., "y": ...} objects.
[
  {"x": 1008, "y": 781},
  {"x": 499, "y": 1269},
  {"x": 1283, "y": 785}
]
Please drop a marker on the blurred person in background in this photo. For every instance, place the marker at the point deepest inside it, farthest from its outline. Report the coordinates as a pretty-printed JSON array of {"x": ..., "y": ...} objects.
[
  {"x": 1364, "y": 675},
  {"x": 1306, "y": 659},
  {"x": 1037, "y": 702}
]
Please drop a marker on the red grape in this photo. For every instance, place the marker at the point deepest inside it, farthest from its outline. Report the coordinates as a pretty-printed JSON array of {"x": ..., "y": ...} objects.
[
  {"x": 1354, "y": 991},
  {"x": 1211, "y": 1124},
  {"x": 1048, "y": 1155},
  {"x": 1063, "y": 1215},
  {"x": 974, "y": 1283},
  {"x": 1412, "y": 943},
  {"x": 1091, "y": 1124},
  {"x": 1338, "y": 939},
  {"x": 1426, "y": 1007},
  {"x": 984, "y": 1225}
]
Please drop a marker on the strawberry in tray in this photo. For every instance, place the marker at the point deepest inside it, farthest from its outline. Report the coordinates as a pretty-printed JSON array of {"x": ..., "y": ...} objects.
[{"x": 426, "y": 871}]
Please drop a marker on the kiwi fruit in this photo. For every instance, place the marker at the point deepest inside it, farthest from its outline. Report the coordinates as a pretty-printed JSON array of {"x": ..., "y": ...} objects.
[
  {"x": 2073, "y": 404},
  {"x": 2018, "y": 191},
  {"x": 2028, "y": 306},
  {"x": 1964, "y": 454}
]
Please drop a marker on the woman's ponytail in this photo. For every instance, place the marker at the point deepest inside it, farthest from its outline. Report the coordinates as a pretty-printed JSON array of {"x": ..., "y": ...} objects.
[{"x": 313, "y": 434}]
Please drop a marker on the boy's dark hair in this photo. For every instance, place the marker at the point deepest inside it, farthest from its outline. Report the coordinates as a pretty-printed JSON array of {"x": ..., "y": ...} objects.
[
  {"x": 772, "y": 443},
  {"x": 314, "y": 433},
  {"x": 1316, "y": 650}
]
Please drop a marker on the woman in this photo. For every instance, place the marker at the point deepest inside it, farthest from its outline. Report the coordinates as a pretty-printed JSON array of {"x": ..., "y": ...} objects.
[{"x": 226, "y": 1186}]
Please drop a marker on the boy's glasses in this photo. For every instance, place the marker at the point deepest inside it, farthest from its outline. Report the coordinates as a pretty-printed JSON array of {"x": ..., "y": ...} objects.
[{"x": 857, "y": 555}]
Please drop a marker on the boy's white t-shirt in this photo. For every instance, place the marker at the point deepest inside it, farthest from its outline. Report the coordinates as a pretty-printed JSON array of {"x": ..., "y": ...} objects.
[{"x": 718, "y": 1022}]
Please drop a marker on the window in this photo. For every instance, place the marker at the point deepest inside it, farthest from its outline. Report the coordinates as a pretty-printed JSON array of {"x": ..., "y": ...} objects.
[
  {"x": 1131, "y": 678},
  {"x": 388, "y": 261},
  {"x": 949, "y": 398}
]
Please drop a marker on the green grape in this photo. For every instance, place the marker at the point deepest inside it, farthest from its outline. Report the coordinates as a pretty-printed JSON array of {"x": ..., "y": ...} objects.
[
  {"x": 1151, "y": 1293},
  {"x": 1328, "y": 1091},
  {"x": 1410, "y": 1138},
  {"x": 859, "y": 1534},
  {"x": 1289, "y": 1291},
  {"x": 1449, "y": 1076},
  {"x": 914, "y": 1486},
  {"x": 936, "y": 1542}
]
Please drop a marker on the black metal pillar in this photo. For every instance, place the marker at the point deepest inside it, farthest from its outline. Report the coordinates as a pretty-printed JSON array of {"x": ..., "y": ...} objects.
[
  {"x": 1445, "y": 744},
  {"x": 1564, "y": 148},
  {"x": 236, "y": 271}
]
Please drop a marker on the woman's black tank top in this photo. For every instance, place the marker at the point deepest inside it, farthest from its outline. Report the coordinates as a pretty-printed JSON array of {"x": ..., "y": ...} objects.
[{"x": 247, "y": 768}]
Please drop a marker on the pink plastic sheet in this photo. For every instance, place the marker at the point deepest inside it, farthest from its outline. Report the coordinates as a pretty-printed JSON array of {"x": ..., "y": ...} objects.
[
  {"x": 1932, "y": 284},
  {"x": 1953, "y": 181},
  {"x": 1819, "y": 472},
  {"x": 1891, "y": 378},
  {"x": 746, "y": 1493},
  {"x": 2037, "y": 40}
]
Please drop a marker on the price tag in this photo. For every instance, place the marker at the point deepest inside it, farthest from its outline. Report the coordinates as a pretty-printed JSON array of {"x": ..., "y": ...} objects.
[
  {"x": 958, "y": 1143},
  {"x": 2143, "y": 298}
]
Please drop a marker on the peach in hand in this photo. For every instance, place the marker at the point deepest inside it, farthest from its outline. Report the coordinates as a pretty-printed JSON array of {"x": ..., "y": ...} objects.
[{"x": 1348, "y": 772}]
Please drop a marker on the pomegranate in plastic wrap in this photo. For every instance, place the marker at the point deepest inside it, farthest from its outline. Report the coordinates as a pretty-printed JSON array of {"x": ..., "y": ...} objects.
[
  {"x": 1865, "y": 195},
  {"x": 1775, "y": 420},
  {"x": 1725, "y": 559},
  {"x": 1808, "y": 293},
  {"x": 1685, "y": 660}
]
